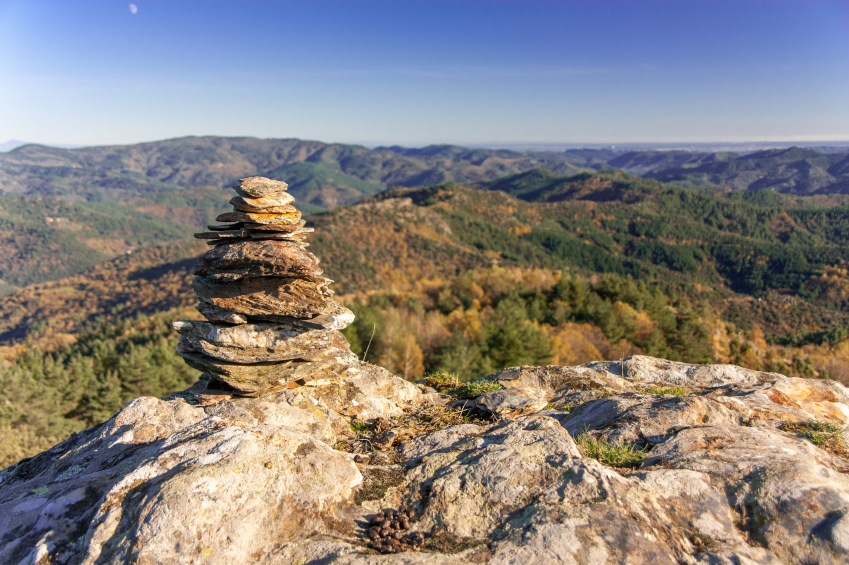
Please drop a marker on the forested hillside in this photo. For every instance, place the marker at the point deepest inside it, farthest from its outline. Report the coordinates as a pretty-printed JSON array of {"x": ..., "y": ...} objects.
[
  {"x": 78, "y": 349},
  {"x": 533, "y": 268},
  {"x": 750, "y": 243},
  {"x": 48, "y": 238},
  {"x": 649, "y": 268}
]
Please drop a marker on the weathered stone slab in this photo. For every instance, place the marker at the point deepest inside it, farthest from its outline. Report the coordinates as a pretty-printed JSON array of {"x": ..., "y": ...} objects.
[
  {"x": 257, "y": 259},
  {"x": 253, "y": 343},
  {"x": 363, "y": 390},
  {"x": 260, "y": 187},
  {"x": 791, "y": 400},
  {"x": 222, "y": 234},
  {"x": 297, "y": 227},
  {"x": 333, "y": 317},
  {"x": 259, "y": 377},
  {"x": 258, "y": 204},
  {"x": 335, "y": 347},
  {"x": 554, "y": 380},
  {"x": 247, "y": 335},
  {"x": 653, "y": 370},
  {"x": 792, "y": 492},
  {"x": 641, "y": 418},
  {"x": 240, "y": 206},
  {"x": 512, "y": 402},
  {"x": 279, "y": 296},
  {"x": 261, "y": 236},
  {"x": 250, "y": 217},
  {"x": 214, "y": 313}
]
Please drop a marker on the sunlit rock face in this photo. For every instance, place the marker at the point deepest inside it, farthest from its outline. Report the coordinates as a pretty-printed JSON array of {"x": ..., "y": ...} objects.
[{"x": 729, "y": 469}]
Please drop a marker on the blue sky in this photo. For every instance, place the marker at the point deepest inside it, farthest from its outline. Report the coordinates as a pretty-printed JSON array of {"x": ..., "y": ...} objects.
[{"x": 414, "y": 73}]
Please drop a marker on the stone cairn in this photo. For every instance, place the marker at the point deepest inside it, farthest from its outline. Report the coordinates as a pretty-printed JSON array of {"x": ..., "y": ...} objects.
[{"x": 271, "y": 321}]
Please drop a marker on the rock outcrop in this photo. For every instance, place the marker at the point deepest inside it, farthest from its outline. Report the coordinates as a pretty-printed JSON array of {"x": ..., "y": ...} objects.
[{"x": 731, "y": 471}]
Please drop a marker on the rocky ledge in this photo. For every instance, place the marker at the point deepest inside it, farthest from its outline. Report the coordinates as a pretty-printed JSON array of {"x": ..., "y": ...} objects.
[{"x": 635, "y": 461}]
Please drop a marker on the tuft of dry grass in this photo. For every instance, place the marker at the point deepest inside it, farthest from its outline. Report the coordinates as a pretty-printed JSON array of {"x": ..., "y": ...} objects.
[
  {"x": 669, "y": 390},
  {"x": 825, "y": 435},
  {"x": 614, "y": 454},
  {"x": 382, "y": 434},
  {"x": 449, "y": 383}
]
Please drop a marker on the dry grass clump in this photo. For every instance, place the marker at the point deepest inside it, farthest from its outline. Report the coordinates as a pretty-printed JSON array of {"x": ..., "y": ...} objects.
[
  {"x": 614, "y": 454},
  {"x": 670, "y": 390},
  {"x": 382, "y": 434},
  {"x": 449, "y": 383},
  {"x": 824, "y": 435}
]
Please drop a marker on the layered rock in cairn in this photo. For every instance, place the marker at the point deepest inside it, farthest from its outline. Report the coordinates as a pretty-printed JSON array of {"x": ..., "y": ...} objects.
[{"x": 271, "y": 321}]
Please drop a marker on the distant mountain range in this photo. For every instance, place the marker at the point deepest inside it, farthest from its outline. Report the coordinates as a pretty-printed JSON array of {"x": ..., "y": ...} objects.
[
  {"x": 324, "y": 176},
  {"x": 732, "y": 246}
]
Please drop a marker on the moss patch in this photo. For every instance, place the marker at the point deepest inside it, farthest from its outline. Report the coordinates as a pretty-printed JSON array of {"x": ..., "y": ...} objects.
[
  {"x": 376, "y": 481},
  {"x": 669, "y": 390},
  {"x": 443, "y": 541}
]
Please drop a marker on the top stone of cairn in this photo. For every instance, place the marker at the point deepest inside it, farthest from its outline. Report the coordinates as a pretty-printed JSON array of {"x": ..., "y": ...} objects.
[{"x": 261, "y": 187}]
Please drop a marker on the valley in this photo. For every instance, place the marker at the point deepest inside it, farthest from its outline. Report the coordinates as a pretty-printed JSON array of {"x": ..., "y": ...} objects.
[{"x": 533, "y": 267}]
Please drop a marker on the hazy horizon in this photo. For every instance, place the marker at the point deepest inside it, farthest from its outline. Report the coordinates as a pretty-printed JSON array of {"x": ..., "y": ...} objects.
[{"x": 707, "y": 146}]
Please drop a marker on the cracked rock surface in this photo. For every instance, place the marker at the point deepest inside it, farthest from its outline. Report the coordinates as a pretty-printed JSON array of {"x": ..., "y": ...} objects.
[{"x": 234, "y": 479}]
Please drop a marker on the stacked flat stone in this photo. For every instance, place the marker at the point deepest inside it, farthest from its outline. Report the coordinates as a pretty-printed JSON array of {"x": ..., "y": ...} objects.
[{"x": 271, "y": 321}]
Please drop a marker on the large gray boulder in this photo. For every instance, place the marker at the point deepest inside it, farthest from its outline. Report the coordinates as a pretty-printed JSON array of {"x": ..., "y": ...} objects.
[{"x": 206, "y": 477}]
